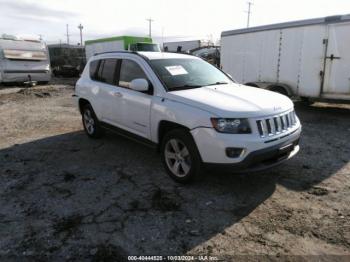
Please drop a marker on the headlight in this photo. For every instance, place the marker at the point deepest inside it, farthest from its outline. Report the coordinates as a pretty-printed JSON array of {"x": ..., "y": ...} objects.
[{"x": 231, "y": 125}]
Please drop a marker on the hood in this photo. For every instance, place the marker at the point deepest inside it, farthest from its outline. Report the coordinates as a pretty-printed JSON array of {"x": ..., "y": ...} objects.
[{"x": 233, "y": 100}]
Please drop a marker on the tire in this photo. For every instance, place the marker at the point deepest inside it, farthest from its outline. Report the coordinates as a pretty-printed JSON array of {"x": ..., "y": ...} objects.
[
  {"x": 279, "y": 90},
  {"x": 90, "y": 122},
  {"x": 306, "y": 101},
  {"x": 180, "y": 156}
]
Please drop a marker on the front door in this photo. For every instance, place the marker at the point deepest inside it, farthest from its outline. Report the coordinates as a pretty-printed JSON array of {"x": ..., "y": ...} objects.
[
  {"x": 135, "y": 105},
  {"x": 337, "y": 60}
]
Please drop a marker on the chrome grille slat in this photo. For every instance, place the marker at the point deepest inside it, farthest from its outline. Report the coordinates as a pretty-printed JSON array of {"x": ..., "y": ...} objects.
[
  {"x": 290, "y": 119},
  {"x": 264, "y": 129},
  {"x": 277, "y": 124},
  {"x": 273, "y": 126},
  {"x": 283, "y": 123},
  {"x": 286, "y": 122}
]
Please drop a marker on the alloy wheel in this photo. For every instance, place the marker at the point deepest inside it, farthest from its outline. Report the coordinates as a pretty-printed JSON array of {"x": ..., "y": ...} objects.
[
  {"x": 89, "y": 122},
  {"x": 177, "y": 157}
]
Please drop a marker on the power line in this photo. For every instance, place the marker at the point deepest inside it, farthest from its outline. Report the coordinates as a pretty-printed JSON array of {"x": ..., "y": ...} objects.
[{"x": 150, "y": 20}]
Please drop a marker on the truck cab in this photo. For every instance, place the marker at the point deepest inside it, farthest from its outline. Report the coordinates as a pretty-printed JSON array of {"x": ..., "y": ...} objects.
[{"x": 143, "y": 46}]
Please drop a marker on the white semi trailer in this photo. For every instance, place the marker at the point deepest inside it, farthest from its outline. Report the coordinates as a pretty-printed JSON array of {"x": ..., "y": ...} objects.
[
  {"x": 23, "y": 61},
  {"x": 309, "y": 58}
]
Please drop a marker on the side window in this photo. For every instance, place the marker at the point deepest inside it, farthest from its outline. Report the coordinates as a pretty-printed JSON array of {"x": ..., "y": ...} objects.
[
  {"x": 129, "y": 71},
  {"x": 103, "y": 70},
  {"x": 93, "y": 69},
  {"x": 99, "y": 71},
  {"x": 108, "y": 71}
]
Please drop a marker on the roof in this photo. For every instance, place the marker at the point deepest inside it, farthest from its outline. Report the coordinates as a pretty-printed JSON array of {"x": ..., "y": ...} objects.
[{"x": 315, "y": 21}]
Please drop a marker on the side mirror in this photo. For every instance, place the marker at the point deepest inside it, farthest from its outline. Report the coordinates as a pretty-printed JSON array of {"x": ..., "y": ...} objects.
[{"x": 139, "y": 84}]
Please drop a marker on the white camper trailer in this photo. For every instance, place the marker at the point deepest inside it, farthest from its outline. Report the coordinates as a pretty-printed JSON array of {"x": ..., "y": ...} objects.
[
  {"x": 23, "y": 61},
  {"x": 309, "y": 58}
]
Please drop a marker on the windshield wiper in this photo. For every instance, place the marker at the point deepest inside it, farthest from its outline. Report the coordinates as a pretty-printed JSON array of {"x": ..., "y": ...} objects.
[
  {"x": 184, "y": 87},
  {"x": 218, "y": 83}
]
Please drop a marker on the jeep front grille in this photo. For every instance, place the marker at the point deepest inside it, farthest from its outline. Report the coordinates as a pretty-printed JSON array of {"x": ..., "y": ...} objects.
[{"x": 276, "y": 124}]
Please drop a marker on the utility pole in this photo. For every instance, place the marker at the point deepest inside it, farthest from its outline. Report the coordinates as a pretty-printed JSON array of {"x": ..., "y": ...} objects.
[
  {"x": 150, "y": 20},
  {"x": 249, "y": 12},
  {"x": 67, "y": 34},
  {"x": 80, "y": 27}
]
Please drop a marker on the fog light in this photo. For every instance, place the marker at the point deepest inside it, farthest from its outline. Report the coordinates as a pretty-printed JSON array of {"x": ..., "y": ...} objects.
[{"x": 234, "y": 152}]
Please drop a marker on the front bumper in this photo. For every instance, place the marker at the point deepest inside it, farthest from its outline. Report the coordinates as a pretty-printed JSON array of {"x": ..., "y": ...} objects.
[
  {"x": 258, "y": 152},
  {"x": 263, "y": 159}
]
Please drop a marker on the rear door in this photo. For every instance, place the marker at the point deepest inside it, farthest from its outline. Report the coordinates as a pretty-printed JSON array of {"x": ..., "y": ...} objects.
[
  {"x": 337, "y": 60},
  {"x": 109, "y": 94}
]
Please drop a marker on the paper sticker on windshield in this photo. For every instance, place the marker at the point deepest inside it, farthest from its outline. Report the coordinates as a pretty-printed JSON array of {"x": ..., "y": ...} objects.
[{"x": 176, "y": 70}]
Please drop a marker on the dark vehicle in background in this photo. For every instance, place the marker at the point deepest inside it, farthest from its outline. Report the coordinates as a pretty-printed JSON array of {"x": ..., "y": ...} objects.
[
  {"x": 67, "y": 60},
  {"x": 211, "y": 54},
  {"x": 66, "y": 71},
  {"x": 201, "y": 48}
]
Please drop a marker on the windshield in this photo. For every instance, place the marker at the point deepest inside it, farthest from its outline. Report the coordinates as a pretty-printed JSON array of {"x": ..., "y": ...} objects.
[{"x": 185, "y": 73}]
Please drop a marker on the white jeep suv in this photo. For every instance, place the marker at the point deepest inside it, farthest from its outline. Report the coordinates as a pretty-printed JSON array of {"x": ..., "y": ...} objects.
[{"x": 191, "y": 111}]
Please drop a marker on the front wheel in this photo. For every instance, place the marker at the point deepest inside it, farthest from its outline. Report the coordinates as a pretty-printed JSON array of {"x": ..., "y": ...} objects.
[{"x": 180, "y": 156}]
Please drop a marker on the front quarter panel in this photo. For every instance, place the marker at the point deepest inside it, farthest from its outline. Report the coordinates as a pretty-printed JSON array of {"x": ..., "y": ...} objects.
[{"x": 179, "y": 113}]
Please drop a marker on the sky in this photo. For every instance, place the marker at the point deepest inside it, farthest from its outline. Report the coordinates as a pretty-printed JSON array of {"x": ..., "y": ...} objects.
[{"x": 174, "y": 20}]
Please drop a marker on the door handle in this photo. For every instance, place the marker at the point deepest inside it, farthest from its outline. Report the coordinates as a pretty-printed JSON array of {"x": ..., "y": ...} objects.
[{"x": 117, "y": 94}]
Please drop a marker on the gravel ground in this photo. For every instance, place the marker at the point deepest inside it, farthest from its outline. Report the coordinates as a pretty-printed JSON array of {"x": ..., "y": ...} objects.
[{"x": 64, "y": 196}]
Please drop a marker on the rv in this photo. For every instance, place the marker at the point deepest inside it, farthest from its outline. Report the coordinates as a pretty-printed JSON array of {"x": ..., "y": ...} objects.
[
  {"x": 23, "y": 61},
  {"x": 309, "y": 58}
]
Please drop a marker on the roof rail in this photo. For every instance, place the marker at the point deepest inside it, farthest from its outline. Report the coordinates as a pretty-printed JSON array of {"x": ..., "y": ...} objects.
[{"x": 112, "y": 52}]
